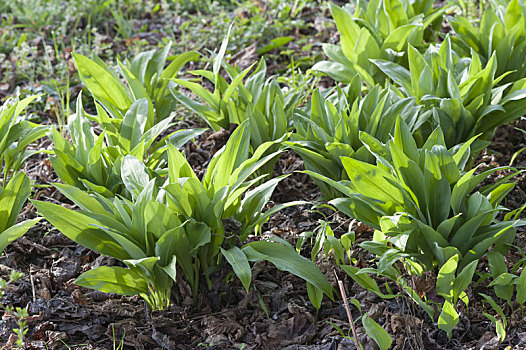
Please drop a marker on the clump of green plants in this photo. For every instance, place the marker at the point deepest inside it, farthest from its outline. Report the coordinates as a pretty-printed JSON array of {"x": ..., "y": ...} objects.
[
  {"x": 377, "y": 30},
  {"x": 392, "y": 146},
  {"x": 500, "y": 32},
  {"x": 180, "y": 224},
  {"x": 509, "y": 285},
  {"x": 13, "y": 196},
  {"x": 261, "y": 101},
  {"x": 257, "y": 98},
  {"x": 93, "y": 161},
  {"x": 426, "y": 213},
  {"x": 461, "y": 94},
  {"x": 328, "y": 127},
  {"x": 146, "y": 78},
  {"x": 15, "y": 135}
]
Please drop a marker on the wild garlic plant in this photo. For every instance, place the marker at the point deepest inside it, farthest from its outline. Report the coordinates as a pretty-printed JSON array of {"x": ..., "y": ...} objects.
[
  {"x": 93, "y": 161},
  {"x": 262, "y": 101},
  {"x": 461, "y": 94},
  {"x": 16, "y": 134},
  {"x": 378, "y": 29},
  {"x": 426, "y": 212},
  {"x": 328, "y": 127},
  {"x": 500, "y": 32},
  {"x": 146, "y": 77},
  {"x": 179, "y": 224}
]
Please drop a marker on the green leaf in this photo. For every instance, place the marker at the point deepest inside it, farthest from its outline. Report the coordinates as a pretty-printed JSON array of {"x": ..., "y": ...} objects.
[
  {"x": 239, "y": 262},
  {"x": 373, "y": 182},
  {"x": 335, "y": 70},
  {"x": 463, "y": 279},
  {"x": 446, "y": 278},
  {"x": 501, "y": 330},
  {"x": 113, "y": 280},
  {"x": 448, "y": 318},
  {"x": 173, "y": 68},
  {"x": 171, "y": 268},
  {"x": 348, "y": 29},
  {"x": 376, "y": 332},
  {"x": 180, "y": 137},
  {"x": 397, "y": 39},
  {"x": 134, "y": 175},
  {"x": 222, "y": 50},
  {"x": 81, "y": 198},
  {"x": 234, "y": 85},
  {"x": 286, "y": 259},
  {"x": 101, "y": 83},
  {"x": 228, "y": 159},
  {"x": 364, "y": 280},
  {"x": 134, "y": 124},
  {"x": 397, "y": 73},
  {"x": 138, "y": 91},
  {"x": 497, "y": 263},
  {"x": 315, "y": 295},
  {"x": 275, "y": 43},
  {"x": 495, "y": 307},
  {"x": 12, "y": 199},
  {"x": 82, "y": 229},
  {"x": 200, "y": 91},
  {"x": 521, "y": 287},
  {"x": 15, "y": 232}
]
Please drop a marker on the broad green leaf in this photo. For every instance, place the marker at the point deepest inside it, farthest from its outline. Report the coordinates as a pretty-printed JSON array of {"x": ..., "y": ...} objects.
[
  {"x": 463, "y": 279},
  {"x": 335, "y": 70},
  {"x": 102, "y": 84},
  {"x": 398, "y": 74},
  {"x": 349, "y": 30},
  {"x": 286, "y": 259},
  {"x": 179, "y": 138},
  {"x": 12, "y": 199},
  {"x": 275, "y": 43},
  {"x": 134, "y": 125},
  {"x": 363, "y": 279},
  {"x": 82, "y": 229},
  {"x": 376, "y": 332},
  {"x": 521, "y": 288},
  {"x": 448, "y": 318},
  {"x": 228, "y": 159},
  {"x": 134, "y": 175},
  {"x": 113, "y": 280},
  {"x": 501, "y": 330},
  {"x": 397, "y": 39},
  {"x": 15, "y": 231},
  {"x": 373, "y": 182},
  {"x": 81, "y": 198},
  {"x": 446, "y": 278},
  {"x": 238, "y": 260},
  {"x": 173, "y": 68},
  {"x": 315, "y": 295}
]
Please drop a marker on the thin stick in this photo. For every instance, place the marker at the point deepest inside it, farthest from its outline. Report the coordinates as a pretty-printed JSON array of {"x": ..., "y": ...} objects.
[
  {"x": 33, "y": 289},
  {"x": 348, "y": 310}
]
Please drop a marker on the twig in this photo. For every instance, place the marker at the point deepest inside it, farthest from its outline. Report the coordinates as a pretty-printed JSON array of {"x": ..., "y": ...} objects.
[
  {"x": 348, "y": 310},
  {"x": 32, "y": 283}
]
